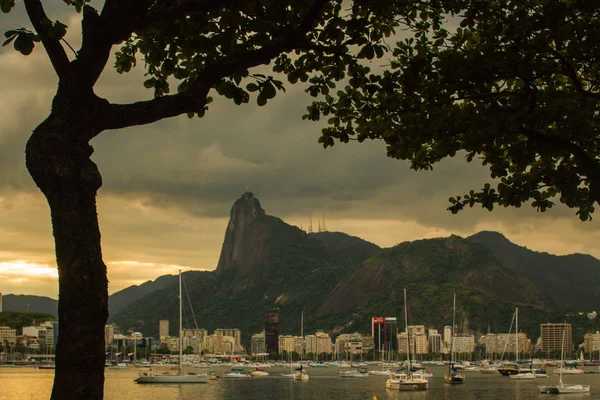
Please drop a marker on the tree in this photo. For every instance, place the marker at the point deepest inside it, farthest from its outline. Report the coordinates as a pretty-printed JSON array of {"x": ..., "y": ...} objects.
[
  {"x": 208, "y": 47},
  {"x": 516, "y": 85}
]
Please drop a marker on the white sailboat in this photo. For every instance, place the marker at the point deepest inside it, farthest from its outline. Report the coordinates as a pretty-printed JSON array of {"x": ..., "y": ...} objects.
[
  {"x": 522, "y": 374},
  {"x": 455, "y": 375},
  {"x": 561, "y": 388},
  {"x": 179, "y": 377},
  {"x": 410, "y": 380}
]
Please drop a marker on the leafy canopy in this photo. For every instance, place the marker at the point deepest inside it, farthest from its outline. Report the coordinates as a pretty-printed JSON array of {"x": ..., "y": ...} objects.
[{"x": 511, "y": 83}]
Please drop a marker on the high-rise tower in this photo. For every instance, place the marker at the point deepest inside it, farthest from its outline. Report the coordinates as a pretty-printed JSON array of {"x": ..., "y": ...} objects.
[{"x": 272, "y": 330}]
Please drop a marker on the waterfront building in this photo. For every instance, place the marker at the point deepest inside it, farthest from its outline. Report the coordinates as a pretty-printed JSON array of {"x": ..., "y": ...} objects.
[
  {"x": 257, "y": 344},
  {"x": 591, "y": 343},
  {"x": 234, "y": 333},
  {"x": 498, "y": 343},
  {"x": 44, "y": 335},
  {"x": 368, "y": 343},
  {"x": 172, "y": 343},
  {"x": 8, "y": 335},
  {"x": 272, "y": 330},
  {"x": 348, "y": 344},
  {"x": 464, "y": 344},
  {"x": 109, "y": 335},
  {"x": 289, "y": 344},
  {"x": 163, "y": 329},
  {"x": 385, "y": 334},
  {"x": 319, "y": 343},
  {"x": 447, "y": 335},
  {"x": 421, "y": 344},
  {"x": 435, "y": 341},
  {"x": 552, "y": 335}
]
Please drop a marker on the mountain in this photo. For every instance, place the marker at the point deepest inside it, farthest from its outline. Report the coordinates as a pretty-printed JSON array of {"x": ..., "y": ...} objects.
[
  {"x": 341, "y": 281},
  {"x": 567, "y": 282},
  {"x": 123, "y": 298},
  {"x": 264, "y": 262},
  {"x": 22, "y": 303}
]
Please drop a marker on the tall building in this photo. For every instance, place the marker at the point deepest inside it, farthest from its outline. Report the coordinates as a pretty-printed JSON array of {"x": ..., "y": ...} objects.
[
  {"x": 319, "y": 343},
  {"x": 163, "y": 329},
  {"x": 435, "y": 341},
  {"x": 591, "y": 342},
  {"x": 552, "y": 336},
  {"x": 385, "y": 334},
  {"x": 109, "y": 335},
  {"x": 234, "y": 333},
  {"x": 7, "y": 334},
  {"x": 499, "y": 343},
  {"x": 257, "y": 344},
  {"x": 447, "y": 335},
  {"x": 272, "y": 330}
]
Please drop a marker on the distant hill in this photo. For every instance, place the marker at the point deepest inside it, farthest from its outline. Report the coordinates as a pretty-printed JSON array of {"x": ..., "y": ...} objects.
[
  {"x": 569, "y": 282},
  {"x": 17, "y": 320},
  {"x": 123, "y": 298},
  {"x": 22, "y": 303},
  {"x": 341, "y": 281}
]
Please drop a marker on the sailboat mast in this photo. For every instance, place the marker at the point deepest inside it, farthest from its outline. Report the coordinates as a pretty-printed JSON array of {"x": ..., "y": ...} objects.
[
  {"x": 562, "y": 349},
  {"x": 407, "y": 334},
  {"x": 452, "y": 341},
  {"x": 517, "y": 335},
  {"x": 180, "y": 327}
]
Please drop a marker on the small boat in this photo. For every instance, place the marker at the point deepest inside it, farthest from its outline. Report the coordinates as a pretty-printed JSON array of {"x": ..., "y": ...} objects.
[
  {"x": 523, "y": 375},
  {"x": 381, "y": 372},
  {"x": 455, "y": 375},
  {"x": 300, "y": 375},
  {"x": 488, "y": 370},
  {"x": 149, "y": 376},
  {"x": 407, "y": 382},
  {"x": 361, "y": 372},
  {"x": 259, "y": 373},
  {"x": 561, "y": 388},
  {"x": 46, "y": 366},
  {"x": 570, "y": 370},
  {"x": 237, "y": 373}
]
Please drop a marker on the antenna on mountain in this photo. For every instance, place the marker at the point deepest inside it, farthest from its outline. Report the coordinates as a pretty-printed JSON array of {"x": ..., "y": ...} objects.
[
  {"x": 309, "y": 221},
  {"x": 246, "y": 189},
  {"x": 320, "y": 225},
  {"x": 301, "y": 225},
  {"x": 324, "y": 227}
]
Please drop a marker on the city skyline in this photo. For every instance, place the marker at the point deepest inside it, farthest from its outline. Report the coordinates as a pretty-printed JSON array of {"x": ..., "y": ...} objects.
[{"x": 155, "y": 221}]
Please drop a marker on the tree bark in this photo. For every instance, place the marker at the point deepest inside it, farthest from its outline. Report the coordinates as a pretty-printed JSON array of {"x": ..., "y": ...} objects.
[{"x": 58, "y": 159}]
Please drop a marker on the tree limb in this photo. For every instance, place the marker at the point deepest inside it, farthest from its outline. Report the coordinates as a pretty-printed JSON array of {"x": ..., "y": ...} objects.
[
  {"x": 145, "y": 112},
  {"x": 41, "y": 23}
]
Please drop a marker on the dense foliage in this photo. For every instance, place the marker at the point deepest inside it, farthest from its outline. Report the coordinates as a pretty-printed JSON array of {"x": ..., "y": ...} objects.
[
  {"x": 17, "y": 320},
  {"x": 514, "y": 84}
]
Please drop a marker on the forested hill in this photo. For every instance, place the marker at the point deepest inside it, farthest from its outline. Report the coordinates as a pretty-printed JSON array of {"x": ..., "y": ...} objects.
[
  {"x": 341, "y": 281},
  {"x": 569, "y": 282}
]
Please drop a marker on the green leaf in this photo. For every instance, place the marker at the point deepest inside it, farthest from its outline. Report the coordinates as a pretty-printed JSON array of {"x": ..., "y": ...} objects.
[
  {"x": 10, "y": 39},
  {"x": 7, "y": 5},
  {"x": 261, "y": 100},
  {"x": 252, "y": 87},
  {"x": 268, "y": 90},
  {"x": 24, "y": 44}
]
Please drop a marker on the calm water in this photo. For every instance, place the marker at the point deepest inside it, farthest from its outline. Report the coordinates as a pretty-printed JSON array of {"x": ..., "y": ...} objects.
[{"x": 32, "y": 384}]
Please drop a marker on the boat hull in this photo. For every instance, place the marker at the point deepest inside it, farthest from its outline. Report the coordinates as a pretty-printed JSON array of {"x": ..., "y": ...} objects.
[{"x": 188, "y": 378}]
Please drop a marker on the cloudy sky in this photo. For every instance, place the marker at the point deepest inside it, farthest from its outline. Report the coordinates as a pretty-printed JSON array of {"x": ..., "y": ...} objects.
[{"x": 168, "y": 187}]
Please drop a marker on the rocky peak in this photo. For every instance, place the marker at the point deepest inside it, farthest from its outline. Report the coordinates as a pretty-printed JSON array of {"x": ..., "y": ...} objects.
[{"x": 237, "y": 241}]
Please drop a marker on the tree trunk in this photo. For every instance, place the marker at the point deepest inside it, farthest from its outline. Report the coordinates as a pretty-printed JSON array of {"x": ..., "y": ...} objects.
[{"x": 58, "y": 159}]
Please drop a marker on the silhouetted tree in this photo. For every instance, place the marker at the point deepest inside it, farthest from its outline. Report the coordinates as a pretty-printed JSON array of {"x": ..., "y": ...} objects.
[{"x": 209, "y": 47}]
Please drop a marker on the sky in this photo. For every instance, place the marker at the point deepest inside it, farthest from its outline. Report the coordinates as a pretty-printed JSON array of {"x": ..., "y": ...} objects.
[{"x": 169, "y": 187}]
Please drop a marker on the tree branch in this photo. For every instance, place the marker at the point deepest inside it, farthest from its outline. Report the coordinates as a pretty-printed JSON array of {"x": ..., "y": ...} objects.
[
  {"x": 571, "y": 73},
  {"x": 41, "y": 23},
  {"x": 586, "y": 164},
  {"x": 145, "y": 112}
]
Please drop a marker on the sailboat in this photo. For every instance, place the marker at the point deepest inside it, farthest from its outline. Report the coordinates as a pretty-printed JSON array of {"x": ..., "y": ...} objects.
[
  {"x": 408, "y": 380},
  {"x": 561, "y": 388},
  {"x": 454, "y": 375},
  {"x": 521, "y": 374},
  {"x": 179, "y": 377}
]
